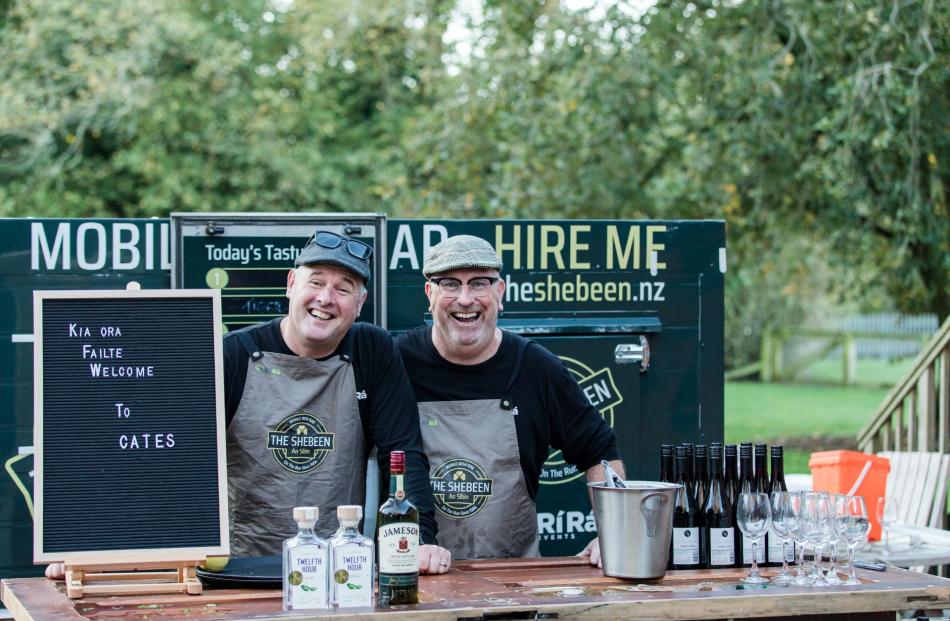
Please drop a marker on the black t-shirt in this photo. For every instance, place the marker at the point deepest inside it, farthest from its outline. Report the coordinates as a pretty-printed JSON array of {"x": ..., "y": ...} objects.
[
  {"x": 552, "y": 409},
  {"x": 387, "y": 408}
]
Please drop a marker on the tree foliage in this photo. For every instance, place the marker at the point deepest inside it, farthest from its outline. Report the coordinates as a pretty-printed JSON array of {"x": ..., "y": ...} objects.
[{"x": 815, "y": 129}]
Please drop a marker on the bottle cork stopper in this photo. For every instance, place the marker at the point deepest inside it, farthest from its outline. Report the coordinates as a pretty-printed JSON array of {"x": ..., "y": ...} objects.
[
  {"x": 349, "y": 513},
  {"x": 306, "y": 514}
]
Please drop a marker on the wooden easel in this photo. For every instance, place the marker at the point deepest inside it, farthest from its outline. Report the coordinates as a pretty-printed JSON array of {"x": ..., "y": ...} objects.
[{"x": 120, "y": 579}]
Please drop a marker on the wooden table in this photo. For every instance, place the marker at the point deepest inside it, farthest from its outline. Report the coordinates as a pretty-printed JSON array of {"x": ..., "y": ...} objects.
[{"x": 553, "y": 588}]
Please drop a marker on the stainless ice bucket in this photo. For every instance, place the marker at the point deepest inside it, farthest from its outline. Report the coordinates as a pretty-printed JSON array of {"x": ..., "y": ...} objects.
[{"x": 634, "y": 525}]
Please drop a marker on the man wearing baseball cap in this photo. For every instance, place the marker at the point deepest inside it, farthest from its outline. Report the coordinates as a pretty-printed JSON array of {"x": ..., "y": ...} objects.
[
  {"x": 490, "y": 405},
  {"x": 308, "y": 395}
]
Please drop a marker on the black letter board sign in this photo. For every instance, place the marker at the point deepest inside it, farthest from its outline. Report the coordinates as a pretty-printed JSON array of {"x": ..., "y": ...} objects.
[{"x": 128, "y": 426}]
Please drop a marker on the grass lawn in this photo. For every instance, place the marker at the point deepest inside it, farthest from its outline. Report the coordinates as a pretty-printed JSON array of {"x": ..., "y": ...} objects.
[
  {"x": 869, "y": 372},
  {"x": 804, "y": 417},
  {"x": 807, "y": 417}
]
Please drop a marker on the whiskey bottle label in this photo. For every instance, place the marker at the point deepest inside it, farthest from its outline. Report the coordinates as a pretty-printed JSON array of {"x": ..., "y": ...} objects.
[
  {"x": 722, "y": 547},
  {"x": 686, "y": 546},
  {"x": 399, "y": 548},
  {"x": 307, "y": 577}
]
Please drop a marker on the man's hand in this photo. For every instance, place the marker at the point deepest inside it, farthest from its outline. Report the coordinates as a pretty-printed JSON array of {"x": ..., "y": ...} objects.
[
  {"x": 592, "y": 552},
  {"x": 55, "y": 571},
  {"x": 434, "y": 560}
]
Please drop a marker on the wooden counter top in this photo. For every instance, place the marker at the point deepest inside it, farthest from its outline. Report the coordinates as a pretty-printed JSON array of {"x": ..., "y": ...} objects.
[{"x": 550, "y": 588}]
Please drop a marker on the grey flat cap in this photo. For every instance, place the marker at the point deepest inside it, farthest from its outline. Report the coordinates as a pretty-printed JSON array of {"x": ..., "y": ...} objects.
[{"x": 460, "y": 252}]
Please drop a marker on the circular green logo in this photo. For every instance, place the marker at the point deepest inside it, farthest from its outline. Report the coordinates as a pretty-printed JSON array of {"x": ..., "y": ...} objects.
[{"x": 460, "y": 488}]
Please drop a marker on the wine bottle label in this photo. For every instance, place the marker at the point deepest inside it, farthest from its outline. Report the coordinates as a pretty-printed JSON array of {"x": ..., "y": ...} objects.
[
  {"x": 352, "y": 575},
  {"x": 399, "y": 548},
  {"x": 686, "y": 546},
  {"x": 722, "y": 547},
  {"x": 747, "y": 550},
  {"x": 775, "y": 551},
  {"x": 307, "y": 577}
]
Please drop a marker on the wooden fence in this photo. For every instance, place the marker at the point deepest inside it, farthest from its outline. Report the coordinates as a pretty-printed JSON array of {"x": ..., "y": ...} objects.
[
  {"x": 771, "y": 365},
  {"x": 915, "y": 415}
]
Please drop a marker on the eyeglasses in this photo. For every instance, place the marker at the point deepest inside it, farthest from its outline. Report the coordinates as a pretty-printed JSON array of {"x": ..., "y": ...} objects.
[
  {"x": 330, "y": 240},
  {"x": 452, "y": 287}
]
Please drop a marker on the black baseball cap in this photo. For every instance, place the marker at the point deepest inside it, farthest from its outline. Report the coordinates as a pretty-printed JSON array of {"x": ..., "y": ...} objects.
[{"x": 345, "y": 252}]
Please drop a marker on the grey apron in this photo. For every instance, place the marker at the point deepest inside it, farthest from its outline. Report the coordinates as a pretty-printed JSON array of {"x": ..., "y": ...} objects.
[
  {"x": 482, "y": 504},
  {"x": 296, "y": 439}
]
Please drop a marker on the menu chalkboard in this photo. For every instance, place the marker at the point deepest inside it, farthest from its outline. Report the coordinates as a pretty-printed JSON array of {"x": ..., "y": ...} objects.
[
  {"x": 247, "y": 256},
  {"x": 129, "y": 426}
]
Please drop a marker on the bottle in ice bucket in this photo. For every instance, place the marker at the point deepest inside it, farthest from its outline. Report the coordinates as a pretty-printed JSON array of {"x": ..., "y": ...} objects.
[
  {"x": 611, "y": 478},
  {"x": 306, "y": 564},
  {"x": 397, "y": 535}
]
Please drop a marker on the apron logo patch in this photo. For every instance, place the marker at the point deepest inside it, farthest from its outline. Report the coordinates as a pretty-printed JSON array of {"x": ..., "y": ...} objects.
[
  {"x": 602, "y": 393},
  {"x": 260, "y": 368},
  {"x": 300, "y": 442},
  {"x": 460, "y": 488}
]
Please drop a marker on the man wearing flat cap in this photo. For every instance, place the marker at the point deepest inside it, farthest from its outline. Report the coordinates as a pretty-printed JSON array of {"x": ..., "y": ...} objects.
[
  {"x": 308, "y": 396},
  {"x": 490, "y": 405}
]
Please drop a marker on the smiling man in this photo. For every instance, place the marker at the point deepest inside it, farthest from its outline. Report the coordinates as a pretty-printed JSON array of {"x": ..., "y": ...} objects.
[
  {"x": 308, "y": 396},
  {"x": 490, "y": 405}
]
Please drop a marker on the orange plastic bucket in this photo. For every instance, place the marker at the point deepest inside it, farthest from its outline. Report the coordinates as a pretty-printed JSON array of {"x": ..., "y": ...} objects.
[{"x": 836, "y": 471}]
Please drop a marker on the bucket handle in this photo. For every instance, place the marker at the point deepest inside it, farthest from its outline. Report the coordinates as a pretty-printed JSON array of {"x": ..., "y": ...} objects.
[{"x": 650, "y": 506}]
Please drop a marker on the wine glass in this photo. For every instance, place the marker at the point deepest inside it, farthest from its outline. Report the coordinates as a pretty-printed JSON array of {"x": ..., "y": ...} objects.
[
  {"x": 887, "y": 510},
  {"x": 783, "y": 518},
  {"x": 816, "y": 516},
  {"x": 799, "y": 526},
  {"x": 753, "y": 516},
  {"x": 853, "y": 524},
  {"x": 830, "y": 538}
]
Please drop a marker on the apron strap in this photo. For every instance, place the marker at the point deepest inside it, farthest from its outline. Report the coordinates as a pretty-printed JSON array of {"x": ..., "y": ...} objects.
[
  {"x": 252, "y": 349},
  {"x": 506, "y": 401}
]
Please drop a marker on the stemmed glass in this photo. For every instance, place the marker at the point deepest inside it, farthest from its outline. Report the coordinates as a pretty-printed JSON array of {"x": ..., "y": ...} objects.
[
  {"x": 783, "y": 522},
  {"x": 753, "y": 516},
  {"x": 851, "y": 517},
  {"x": 798, "y": 531},
  {"x": 839, "y": 504},
  {"x": 816, "y": 522},
  {"x": 830, "y": 539},
  {"x": 887, "y": 510}
]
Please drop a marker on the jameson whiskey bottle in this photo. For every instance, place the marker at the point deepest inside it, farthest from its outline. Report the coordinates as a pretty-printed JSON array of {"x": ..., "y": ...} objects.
[{"x": 397, "y": 536}]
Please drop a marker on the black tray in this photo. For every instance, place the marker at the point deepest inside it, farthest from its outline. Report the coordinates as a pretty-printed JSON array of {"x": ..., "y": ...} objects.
[{"x": 252, "y": 572}]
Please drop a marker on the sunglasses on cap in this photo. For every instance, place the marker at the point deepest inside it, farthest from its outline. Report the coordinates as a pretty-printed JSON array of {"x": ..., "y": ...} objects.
[{"x": 329, "y": 240}]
